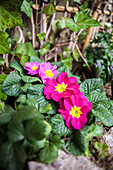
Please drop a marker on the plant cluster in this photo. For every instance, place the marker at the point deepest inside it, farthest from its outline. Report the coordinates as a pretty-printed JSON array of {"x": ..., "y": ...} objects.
[
  {"x": 99, "y": 55},
  {"x": 43, "y": 107}
]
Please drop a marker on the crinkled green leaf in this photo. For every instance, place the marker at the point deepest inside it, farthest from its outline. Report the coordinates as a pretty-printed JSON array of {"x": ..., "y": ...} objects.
[
  {"x": 103, "y": 114},
  {"x": 26, "y": 7},
  {"x": 15, "y": 64},
  {"x": 32, "y": 102},
  {"x": 37, "y": 129},
  {"x": 91, "y": 85},
  {"x": 58, "y": 126},
  {"x": 4, "y": 45},
  {"x": 25, "y": 87},
  {"x": 77, "y": 144},
  {"x": 49, "y": 153},
  {"x": 24, "y": 59},
  {"x": 29, "y": 79},
  {"x": 35, "y": 59},
  {"x": 10, "y": 14},
  {"x": 12, "y": 156},
  {"x": 11, "y": 85}
]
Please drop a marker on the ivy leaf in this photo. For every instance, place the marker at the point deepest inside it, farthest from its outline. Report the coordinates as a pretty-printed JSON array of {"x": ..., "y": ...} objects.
[
  {"x": 91, "y": 85},
  {"x": 41, "y": 36},
  {"x": 14, "y": 155},
  {"x": 78, "y": 1},
  {"x": 10, "y": 14},
  {"x": 4, "y": 45},
  {"x": 84, "y": 6},
  {"x": 32, "y": 102},
  {"x": 2, "y": 78},
  {"x": 77, "y": 144},
  {"x": 29, "y": 79},
  {"x": 48, "y": 10},
  {"x": 11, "y": 85},
  {"x": 58, "y": 126},
  {"x": 61, "y": 24},
  {"x": 49, "y": 153},
  {"x": 37, "y": 129},
  {"x": 82, "y": 20},
  {"x": 2, "y": 95},
  {"x": 26, "y": 7},
  {"x": 2, "y": 61}
]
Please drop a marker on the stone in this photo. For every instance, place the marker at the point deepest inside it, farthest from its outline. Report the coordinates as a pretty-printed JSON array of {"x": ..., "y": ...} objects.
[
  {"x": 66, "y": 162},
  {"x": 108, "y": 137}
]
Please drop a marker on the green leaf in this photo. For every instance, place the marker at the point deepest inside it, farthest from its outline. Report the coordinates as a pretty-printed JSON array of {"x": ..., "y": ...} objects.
[
  {"x": 61, "y": 24},
  {"x": 48, "y": 10},
  {"x": 2, "y": 78},
  {"x": 26, "y": 7},
  {"x": 82, "y": 20},
  {"x": 5, "y": 116},
  {"x": 91, "y": 85},
  {"x": 2, "y": 61},
  {"x": 41, "y": 36},
  {"x": 58, "y": 126},
  {"x": 103, "y": 114},
  {"x": 24, "y": 59},
  {"x": 29, "y": 79},
  {"x": 2, "y": 95},
  {"x": 32, "y": 102},
  {"x": 15, "y": 64},
  {"x": 25, "y": 87},
  {"x": 78, "y": 1},
  {"x": 35, "y": 59},
  {"x": 14, "y": 155},
  {"x": 37, "y": 129},
  {"x": 84, "y": 6},
  {"x": 45, "y": 109},
  {"x": 57, "y": 141},
  {"x": 10, "y": 14},
  {"x": 15, "y": 131},
  {"x": 21, "y": 99},
  {"x": 11, "y": 85},
  {"x": 49, "y": 153},
  {"x": 77, "y": 144},
  {"x": 42, "y": 51},
  {"x": 26, "y": 113},
  {"x": 4, "y": 45}
]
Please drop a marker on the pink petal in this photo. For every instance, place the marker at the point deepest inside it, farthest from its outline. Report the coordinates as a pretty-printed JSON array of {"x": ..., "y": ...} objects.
[
  {"x": 75, "y": 122},
  {"x": 83, "y": 120},
  {"x": 67, "y": 104},
  {"x": 72, "y": 80},
  {"x": 51, "y": 82},
  {"x": 48, "y": 89},
  {"x": 62, "y": 77},
  {"x": 55, "y": 96},
  {"x": 68, "y": 122}
]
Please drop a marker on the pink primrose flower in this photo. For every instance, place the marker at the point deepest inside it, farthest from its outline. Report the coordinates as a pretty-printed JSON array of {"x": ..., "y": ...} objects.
[
  {"x": 47, "y": 71},
  {"x": 61, "y": 87},
  {"x": 33, "y": 67},
  {"x": 74, "y": 110}
]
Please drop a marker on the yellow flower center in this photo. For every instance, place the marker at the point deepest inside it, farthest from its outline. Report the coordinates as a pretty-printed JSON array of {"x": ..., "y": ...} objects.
[
  {"x": 49, "y": 73},
  {"x": 34, "y": 68},
  {"x": 75, "y": 112},
  {"x": 61, "y": 87}
]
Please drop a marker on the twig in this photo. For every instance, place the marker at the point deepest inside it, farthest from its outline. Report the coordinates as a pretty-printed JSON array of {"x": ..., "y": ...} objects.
[
  {"x": 21, "y": 39},
  {"x": 67, "y": 4},
  {"x": 36, "y": 16},
  {"x": 49, "y": 29},
  {"x": 33, "y": 31},
  {"x": 83, "y": 57}
]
